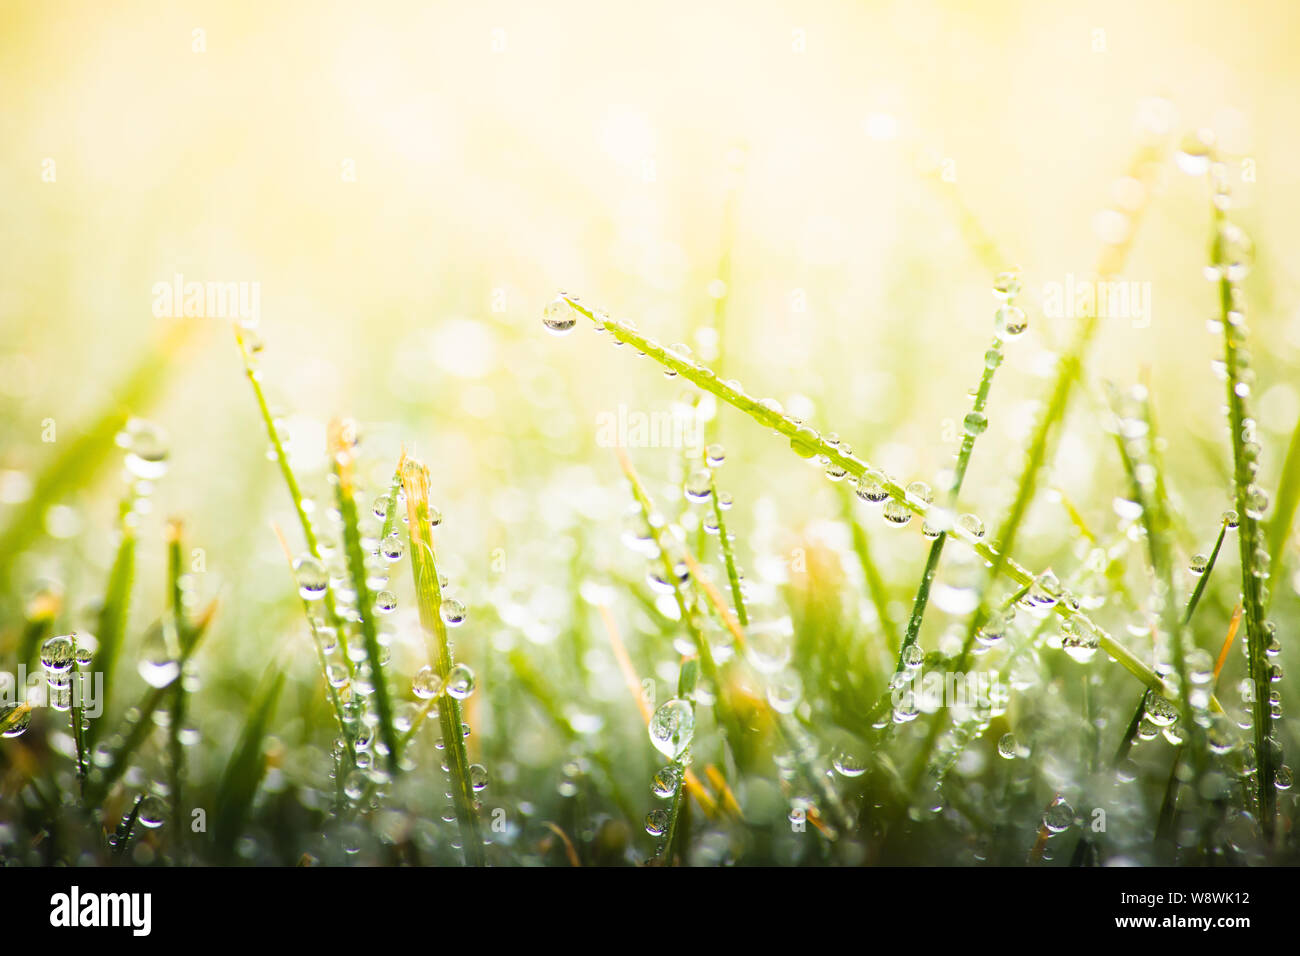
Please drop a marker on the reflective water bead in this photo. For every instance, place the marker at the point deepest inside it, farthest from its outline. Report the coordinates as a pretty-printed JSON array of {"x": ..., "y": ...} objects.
[
  {"x": 312, "y": 577},
  {"x": 426, "y": 684},
  {"x": 715, "y": 455},
  {"x": 478, "y": 777},
  {"x": 460, "y": 682},
  {"x": 152, "y": 812},
  {"x": 848, "y": 764},
  {"x": 559, "y": 316},
  {"x": 1079, "y": 640},
  {"x": 672, "y": 728},
  {"x": 656, "y": 822},
  {"x": 392, "y": 548},
  {"x": 971, "y": 524},
  {"x": 58, "y": 654},
  {"x": 665, "y": 782},
  {"x": 1160, "y": 711},
  {"x": 975, "y": 423},
  {"x": 146, "y": 449},
  {"x": 895, "y": 512},
  {"x": 698, "y": 486},
  {"x": 15, "y": 719},
  {"x": 1011, "y": 320},
  {"x": 1058, "y": 817},
  {"x": 1006, "y": 285},
  {"x": 452, "y": 612},
  {"x": 805, "y": 441},
  {"x": 870, "y": 489},
  {"x": 385, "y": 602}
]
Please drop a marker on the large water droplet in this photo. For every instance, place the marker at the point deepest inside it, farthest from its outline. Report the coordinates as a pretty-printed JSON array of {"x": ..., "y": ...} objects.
[
  {"x": 312, "y": 577},
  {"x": 672, "y": 727},
  {"x": 559, "y": 317},
  {"x": 460, "y": 682}
]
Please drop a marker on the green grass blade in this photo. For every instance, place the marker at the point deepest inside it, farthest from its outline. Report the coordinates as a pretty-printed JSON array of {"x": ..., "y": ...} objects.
[
  {"x": 139, "y": 731},
  {"x": 344, "y": 491},
  {"x": 428, "y": 591},
  {"x": 246, "y": 767},
  {"x": 1284, "y": 506},
  {"x": 254, "y": 376},
  {"x": 82, "y": 457},
  {"x": 876, "y": 588},
  {"x": 728, "y": 553},
  {"x": 112, "y": 621},
  {"x": 808, "y": 444},
  {"x": 1250, "y": 534}
]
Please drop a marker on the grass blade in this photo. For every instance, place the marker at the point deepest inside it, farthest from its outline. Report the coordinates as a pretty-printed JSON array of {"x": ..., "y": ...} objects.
[
  {"x": 341, "y": 458},
  {"x": 246, "y": 767},
  {"x": 1284, "y": 506},
  {"x": 808, "y": 443},
  {"x": 428, "y": 590}
]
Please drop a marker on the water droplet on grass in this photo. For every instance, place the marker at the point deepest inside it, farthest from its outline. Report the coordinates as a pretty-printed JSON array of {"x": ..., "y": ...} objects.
[
  {"x": 805, "y": 441},
  {"x": 460, "y": 682},
  {"x": 312, "y": 577},
  {"x": 1008, "y": 747},
  {"x": 672, "y": 728},
  {"x": 152, "y": 812},
  {"x": 559, "y": 316},
  {"x": 146, "y": 449},
  {"x": 1010, "y": 321},
  {"x": 58, "y": 654},
  {"x": 452, "y": 612},
  {"x": 665, "y": 782},
  {"x": 698, "y": 486},
  {"x": 1058, "y": 817},
  {"x": 427, "y": 684},
  {"x": 656, "y": 822}
]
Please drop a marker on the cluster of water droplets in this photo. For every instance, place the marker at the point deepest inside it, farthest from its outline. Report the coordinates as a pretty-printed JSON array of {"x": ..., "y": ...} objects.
[{"x": 671, "y": 730}]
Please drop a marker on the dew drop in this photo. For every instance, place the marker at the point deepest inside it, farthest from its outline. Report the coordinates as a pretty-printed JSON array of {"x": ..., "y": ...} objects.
[
  {"x": 452, "y": 612},
  {"x": 312, "y": 577},
  {"x": 152, "y": 812},
  {"x": 58, "y": 654},
  {"x": 146, "y": 449},
  {"x": 1058, "y": 817},
  {"x": 665, "y": 782},
  {"x": 460, "y": 682},
  {"x": 698, "y": 486},
  {"x": 805, "y": 441},
  {"x": 15, "y": 718},
  {"x": 975, "y": 423},
  {"x": 559, "y": 316},
  {"x": 672, "y": 728},
  {"x": 656, "y": 822},
  {"x": 1010, "y": 320},
  {"x": 426, "y": 684}
]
